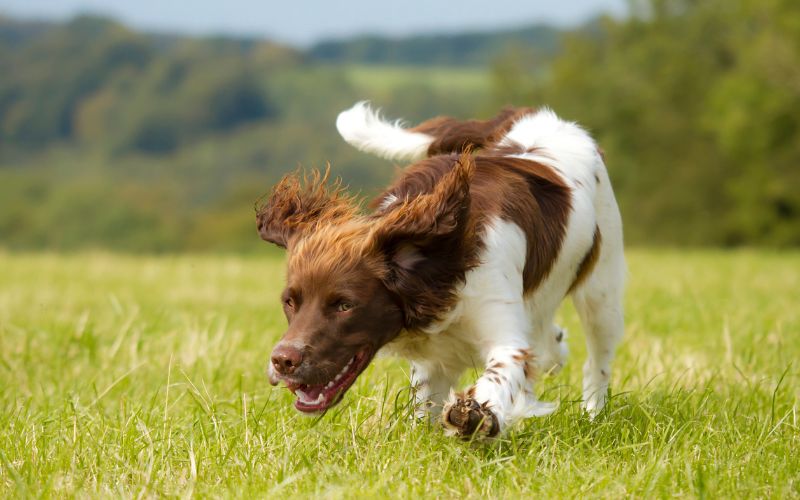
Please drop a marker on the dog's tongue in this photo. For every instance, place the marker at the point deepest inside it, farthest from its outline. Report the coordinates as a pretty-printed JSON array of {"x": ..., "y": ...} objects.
[
  {"x": 312, "y": 392},
  {"x": 308, "y": 393},
  {"x": 316, "y": 398}
]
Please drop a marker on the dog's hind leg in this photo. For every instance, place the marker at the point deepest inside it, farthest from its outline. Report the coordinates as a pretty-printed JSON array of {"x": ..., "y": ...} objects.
[
  {"x": 601, "y": 317},
  {"x": 598, "y": 301}
]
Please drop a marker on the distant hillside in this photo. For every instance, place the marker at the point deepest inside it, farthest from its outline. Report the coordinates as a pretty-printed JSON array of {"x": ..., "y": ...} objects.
[
  {"x": 142, "y": 141},
  {"x": 115, "y": 138},
  {"x": 457, "y": 49},
  {"x": 94, "y": 80},
  {"x": 473, "y": 49}
]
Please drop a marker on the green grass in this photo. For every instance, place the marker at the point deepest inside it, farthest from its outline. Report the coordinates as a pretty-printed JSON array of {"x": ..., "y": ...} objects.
[{"x": 142, "y": 376}]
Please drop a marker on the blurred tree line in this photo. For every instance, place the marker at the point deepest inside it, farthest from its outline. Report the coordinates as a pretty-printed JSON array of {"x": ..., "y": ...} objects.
[
  {"x": 474, "y": 48},
  {"x": 697, "y": 106},
  {"x": 117, "y": 139}
]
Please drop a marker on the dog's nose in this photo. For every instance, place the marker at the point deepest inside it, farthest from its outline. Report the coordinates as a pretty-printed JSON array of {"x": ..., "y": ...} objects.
[{"x": 286, "y": 359}]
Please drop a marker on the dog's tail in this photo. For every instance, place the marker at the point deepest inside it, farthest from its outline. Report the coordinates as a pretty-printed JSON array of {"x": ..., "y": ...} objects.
[{"x": 364, "y": 128}]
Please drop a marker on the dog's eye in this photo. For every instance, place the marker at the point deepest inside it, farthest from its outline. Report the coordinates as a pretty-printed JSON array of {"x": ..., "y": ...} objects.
[
  {"x": 343, "y": 306},
  {"x": 288, "y": 302}
]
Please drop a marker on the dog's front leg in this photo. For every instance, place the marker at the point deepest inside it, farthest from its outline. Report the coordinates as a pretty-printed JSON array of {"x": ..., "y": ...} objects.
[
  {"x": 431, "y": 385},
  {"x": 502, "y": 395}
]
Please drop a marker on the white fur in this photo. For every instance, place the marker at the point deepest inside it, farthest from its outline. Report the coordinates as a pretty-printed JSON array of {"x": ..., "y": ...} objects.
[
  {"x": 570, "y": 150},
  {"x": 561, "y": 144},
  {"x": 387, "y": 202},
  {"x": 493, "y": 320},
  {"x": 363, "y": 128}
]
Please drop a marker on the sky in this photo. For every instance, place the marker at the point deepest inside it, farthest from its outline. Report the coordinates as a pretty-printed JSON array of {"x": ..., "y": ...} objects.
[{"x": 301, "y": 22}]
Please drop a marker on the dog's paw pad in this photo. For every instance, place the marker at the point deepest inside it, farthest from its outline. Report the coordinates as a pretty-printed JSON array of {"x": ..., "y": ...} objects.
[{"x": 466, "y": 418}]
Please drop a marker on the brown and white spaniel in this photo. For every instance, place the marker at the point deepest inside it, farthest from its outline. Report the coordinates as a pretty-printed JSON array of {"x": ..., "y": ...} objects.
[{"x": 461, "y": 262}]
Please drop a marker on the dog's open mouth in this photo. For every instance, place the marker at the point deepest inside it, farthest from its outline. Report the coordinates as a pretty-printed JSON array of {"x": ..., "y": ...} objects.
[{"x": 318, "y": 398}]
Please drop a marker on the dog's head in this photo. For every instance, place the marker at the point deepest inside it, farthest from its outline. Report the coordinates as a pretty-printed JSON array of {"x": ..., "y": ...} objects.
[{"x": 355, "y": 281}]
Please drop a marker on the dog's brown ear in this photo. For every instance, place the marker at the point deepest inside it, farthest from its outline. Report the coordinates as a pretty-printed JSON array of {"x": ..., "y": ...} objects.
[
  {"x": 298, "y": 203},
  {"x": 427, "y": 243}
]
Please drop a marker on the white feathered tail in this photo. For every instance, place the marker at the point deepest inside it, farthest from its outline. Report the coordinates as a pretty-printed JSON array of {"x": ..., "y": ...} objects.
[{"x": 363, "y": 128}]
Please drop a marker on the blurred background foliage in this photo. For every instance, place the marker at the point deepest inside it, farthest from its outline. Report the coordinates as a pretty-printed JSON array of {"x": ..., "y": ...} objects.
[{"x": 139, "y": 142}]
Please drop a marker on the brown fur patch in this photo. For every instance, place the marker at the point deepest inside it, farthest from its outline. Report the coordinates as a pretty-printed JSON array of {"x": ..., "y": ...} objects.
[
  {"x": 530, "y": 194},
  {"x": 535, "y": 198},
  {"x": 524, "y": 355},
  {"x": 455, "y": 136},
  {"x": 589, "y": 261},
  {"x": 428, "y": 239}
]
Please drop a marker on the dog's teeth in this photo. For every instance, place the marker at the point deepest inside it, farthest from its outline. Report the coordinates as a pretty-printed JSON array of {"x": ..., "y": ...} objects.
[
  {"x": 341, "y": 373},
  {"x": 320, "y": 399},
  {"x": 346, "y": 367}
]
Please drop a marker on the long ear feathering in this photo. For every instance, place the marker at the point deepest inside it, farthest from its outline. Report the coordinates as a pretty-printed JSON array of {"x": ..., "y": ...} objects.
[
  {"x": 427, "y": 243},
  {"x": 364, "y": 128},
  {"x": 297, "y": 204},
  {"x": 433, "y": 214}
]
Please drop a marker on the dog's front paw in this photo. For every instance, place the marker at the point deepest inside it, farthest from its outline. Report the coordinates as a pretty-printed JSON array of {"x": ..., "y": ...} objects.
[{"x": 465, "y": 417}]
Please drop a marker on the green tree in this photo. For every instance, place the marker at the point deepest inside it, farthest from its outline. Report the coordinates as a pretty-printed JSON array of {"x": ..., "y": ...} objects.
[{"x": 695, "y": 104}]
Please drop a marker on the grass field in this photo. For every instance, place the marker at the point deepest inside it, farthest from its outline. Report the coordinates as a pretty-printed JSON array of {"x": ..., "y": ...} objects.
[
  {"x": 144, "y": 376},
  {"x": 378, "y": 78}
]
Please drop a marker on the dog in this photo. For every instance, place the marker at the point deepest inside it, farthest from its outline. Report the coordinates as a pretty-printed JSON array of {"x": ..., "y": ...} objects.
[{"x": 461, "y": 262}]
